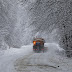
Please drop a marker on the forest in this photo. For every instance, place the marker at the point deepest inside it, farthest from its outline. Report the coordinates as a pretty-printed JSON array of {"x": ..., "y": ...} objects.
[{"x": 22, "y": 20}]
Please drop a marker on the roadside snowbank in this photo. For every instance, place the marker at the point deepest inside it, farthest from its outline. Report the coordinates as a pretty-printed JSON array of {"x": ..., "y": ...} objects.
[{"x": 8, "y": 57}]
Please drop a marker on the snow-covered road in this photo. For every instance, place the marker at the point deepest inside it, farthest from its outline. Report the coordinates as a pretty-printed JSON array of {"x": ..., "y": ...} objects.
[{"x": 25, "y": 60}]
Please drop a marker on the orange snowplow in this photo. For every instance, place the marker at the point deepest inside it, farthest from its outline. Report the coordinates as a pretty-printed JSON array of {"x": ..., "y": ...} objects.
[{"x": 38, "y": 44}]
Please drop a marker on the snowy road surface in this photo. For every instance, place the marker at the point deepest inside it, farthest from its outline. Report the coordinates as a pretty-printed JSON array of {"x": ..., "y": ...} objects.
[{"x": 25, "y": 60}]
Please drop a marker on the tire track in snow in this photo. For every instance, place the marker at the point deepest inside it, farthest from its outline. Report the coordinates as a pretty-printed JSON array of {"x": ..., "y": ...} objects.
[
  {"x": 31, "y": 62},
  {"x": 19, "y": 63}
]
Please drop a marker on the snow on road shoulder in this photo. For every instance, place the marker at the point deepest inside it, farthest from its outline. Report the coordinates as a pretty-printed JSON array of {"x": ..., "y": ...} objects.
[
  {"x": 55, "y": 48},
  {"x": 56, "y": 57},
  {"x": 8, "y": 57},
  {"x": 24, "y": 49}
]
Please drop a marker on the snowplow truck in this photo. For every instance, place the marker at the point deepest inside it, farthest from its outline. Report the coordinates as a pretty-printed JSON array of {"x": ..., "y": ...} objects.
[{"x": 38, "y": 44}]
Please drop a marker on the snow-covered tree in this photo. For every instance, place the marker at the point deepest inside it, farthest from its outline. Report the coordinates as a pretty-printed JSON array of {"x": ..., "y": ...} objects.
[{"x": 21, "y": 20}]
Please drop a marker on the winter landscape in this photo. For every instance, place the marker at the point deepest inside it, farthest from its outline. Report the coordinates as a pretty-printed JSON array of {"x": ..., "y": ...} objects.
[{"x": 21, "y": 21}]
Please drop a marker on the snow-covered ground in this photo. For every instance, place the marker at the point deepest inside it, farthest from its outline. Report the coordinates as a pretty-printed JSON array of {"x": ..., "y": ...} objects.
[
  {"x": 25, "y": 60},
  {"x": 8, "y": 57}
]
